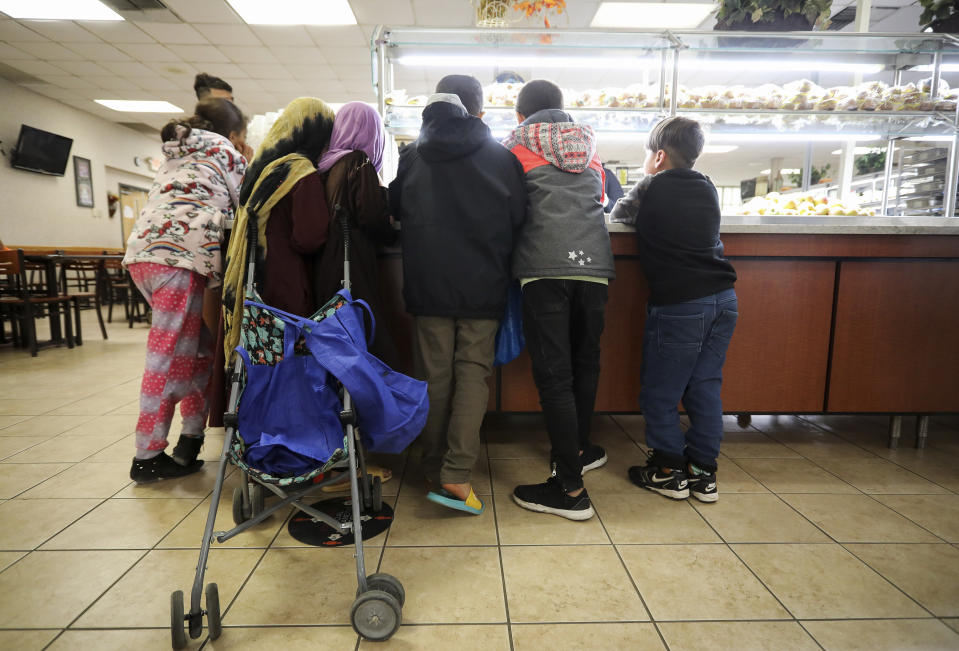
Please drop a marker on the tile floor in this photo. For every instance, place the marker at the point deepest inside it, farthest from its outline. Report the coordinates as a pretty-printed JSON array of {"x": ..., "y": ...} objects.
[{"x": 823, "y": 538}]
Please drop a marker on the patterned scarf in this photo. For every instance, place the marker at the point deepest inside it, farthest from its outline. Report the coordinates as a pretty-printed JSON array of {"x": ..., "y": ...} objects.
[{"x": 286, "y": 156}]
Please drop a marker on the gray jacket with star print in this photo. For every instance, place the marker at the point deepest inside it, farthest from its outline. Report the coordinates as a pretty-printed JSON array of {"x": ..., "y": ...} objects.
[{"x": 565, "y": 231}]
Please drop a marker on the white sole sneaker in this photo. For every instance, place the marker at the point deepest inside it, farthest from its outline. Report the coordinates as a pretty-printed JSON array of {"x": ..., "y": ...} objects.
[
  {"x": 585, "y": 514},
  {"x": 599, "y": 463},
  {"x": 705, "y": 497},
  {"x": 676, "y": 495}
]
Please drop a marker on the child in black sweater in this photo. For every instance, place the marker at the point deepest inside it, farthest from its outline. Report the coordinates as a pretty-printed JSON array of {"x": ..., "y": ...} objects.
[{"x": 691, "y": 314}]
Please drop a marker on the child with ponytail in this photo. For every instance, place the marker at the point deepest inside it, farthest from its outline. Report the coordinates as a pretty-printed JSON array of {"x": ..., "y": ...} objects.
[{"x": 173, "y": 255}]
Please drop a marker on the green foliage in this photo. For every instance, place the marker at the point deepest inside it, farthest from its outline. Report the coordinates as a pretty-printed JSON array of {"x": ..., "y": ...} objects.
[
  {"x": 770, "y": 11},
  {"x": 817, "y": 174},
  {"x": 872, "y": 162},
  {"x": 936, "y": 10}
]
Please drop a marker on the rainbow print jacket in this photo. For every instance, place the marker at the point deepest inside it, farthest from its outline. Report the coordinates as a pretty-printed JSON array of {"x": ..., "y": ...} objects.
[{"x": 194, "y": 193}]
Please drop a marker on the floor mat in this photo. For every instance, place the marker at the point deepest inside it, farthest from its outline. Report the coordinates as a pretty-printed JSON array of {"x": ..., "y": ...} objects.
[{"x": 312, "y": 532}]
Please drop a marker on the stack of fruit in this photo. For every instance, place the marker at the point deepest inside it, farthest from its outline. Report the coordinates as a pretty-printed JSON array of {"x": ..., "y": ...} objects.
[{"x": 804, "y": 205}]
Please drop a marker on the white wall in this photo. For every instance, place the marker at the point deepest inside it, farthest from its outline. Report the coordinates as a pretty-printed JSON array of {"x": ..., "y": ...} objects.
[{"x": 41, "y": 210}]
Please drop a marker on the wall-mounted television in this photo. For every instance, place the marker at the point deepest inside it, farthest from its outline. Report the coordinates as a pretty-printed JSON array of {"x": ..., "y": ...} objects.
[{"x": 41, "y": 151}]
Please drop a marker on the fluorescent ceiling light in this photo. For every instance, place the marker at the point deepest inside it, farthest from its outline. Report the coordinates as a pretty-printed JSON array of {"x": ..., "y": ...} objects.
[
  {"x": 782, "y": 65},
  {"x": 791, "y": 137},
  {"x": 859, "y": 151},
  {"x": 652, "y": 15},
  {"x": 945, "y": 67},
  {"x": 524, "y": 61},
  {"x": 294, "y": 12},
  {"x": 719, "y": 149},
  {"x": 58, "y": 10},
  {"x": 137, "y": 106},
  {"x": 785, "y": 170}
]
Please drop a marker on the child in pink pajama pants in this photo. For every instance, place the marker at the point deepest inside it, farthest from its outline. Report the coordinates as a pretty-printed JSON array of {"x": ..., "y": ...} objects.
[{"x": 173, "y": 255}]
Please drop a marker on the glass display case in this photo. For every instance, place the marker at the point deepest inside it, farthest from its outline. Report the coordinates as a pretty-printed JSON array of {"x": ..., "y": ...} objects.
[{"x": 754, "y": 92}]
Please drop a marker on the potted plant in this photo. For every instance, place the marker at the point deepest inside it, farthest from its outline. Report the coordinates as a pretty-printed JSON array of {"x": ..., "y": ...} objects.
[
  {"x": 775, "y": 15},
  {"x": 941, "y": 16}
]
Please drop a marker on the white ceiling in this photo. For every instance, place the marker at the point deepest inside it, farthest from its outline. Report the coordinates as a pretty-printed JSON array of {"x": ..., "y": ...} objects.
[{"x": 157, "y": 57}]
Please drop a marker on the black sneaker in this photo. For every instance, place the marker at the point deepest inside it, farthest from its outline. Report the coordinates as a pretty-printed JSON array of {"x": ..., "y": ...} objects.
[
  {"x": 703, "y": 487},
  {"x": 552, "y": 498},
  {"x": 187, "y": 449},
  {"x": 593, "y": 457},
  {"x": 162, "y": 466},
  {"x": 673, "y": 483}
]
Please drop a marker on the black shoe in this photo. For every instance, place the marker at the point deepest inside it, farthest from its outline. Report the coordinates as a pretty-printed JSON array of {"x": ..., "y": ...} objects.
[
  {"x": 162, "y": 466},
  {"x": 672, "y": 483},
  {"x": 551, "y": 497},
  {"x": 187, "y": 449},
  {"x": 703, "y": 487},
  {"x": 593, "y": 457}
]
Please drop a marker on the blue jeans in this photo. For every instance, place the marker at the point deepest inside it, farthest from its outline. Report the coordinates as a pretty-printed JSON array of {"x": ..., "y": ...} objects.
[{"x": 684, "y": 348}]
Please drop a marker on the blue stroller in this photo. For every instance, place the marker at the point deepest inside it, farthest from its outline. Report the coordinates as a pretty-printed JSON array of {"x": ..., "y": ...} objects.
[{"x": 269, "y": 337}]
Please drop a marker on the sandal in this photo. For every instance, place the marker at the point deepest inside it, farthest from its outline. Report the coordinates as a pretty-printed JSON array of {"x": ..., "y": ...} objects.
[
  {"x": 472, "y": 504},
  {"x": 385, "y": 474}
]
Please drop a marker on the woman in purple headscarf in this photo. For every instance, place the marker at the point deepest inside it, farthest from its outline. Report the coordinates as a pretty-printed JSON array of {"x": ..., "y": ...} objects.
[{"x": 350, "y": 170}]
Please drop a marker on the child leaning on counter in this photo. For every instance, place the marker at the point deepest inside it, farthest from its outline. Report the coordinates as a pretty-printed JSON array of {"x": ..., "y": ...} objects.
[{"x": 691, "y": 314}]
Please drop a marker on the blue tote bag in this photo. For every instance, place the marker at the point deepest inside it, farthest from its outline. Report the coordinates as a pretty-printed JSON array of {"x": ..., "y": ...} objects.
[
  {"x": 510, "y": 341},
  {"x": 288, "y": 414}
]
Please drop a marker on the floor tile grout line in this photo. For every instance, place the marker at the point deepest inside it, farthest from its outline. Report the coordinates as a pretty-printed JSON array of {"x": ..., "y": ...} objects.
[
  {"x": 499, "y": 546},
  {"x": 886, "y": 579}
]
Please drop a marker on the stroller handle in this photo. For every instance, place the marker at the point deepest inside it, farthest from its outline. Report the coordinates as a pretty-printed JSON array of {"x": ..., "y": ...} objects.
[{"x": 344, "y": 223}]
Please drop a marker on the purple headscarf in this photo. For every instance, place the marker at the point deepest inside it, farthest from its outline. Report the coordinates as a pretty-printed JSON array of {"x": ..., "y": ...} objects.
[{"x": 357, "y": 127}]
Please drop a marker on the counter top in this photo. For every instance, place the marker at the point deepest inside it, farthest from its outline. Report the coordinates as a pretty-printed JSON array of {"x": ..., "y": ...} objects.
[{"x": 829, "y": 225}]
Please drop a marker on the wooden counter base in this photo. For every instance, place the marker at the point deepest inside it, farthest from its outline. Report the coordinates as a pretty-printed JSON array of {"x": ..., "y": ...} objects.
[{"x": 827, "y": 323}]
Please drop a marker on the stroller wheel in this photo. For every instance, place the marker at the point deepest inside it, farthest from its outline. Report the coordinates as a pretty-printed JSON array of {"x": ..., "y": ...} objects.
[
  {"x": 376, "y": 615},
  {"x": 213, "y": 611},
  {"x": 386, "y": 583},
  {"x": 257, "y": 500},
  {"x": 177, "y": 633},
  {"x": 240, "y": 513}
]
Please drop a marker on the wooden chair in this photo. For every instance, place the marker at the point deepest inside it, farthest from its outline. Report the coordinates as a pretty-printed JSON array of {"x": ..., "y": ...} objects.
[
  {"x": 119, "y": 286},
  {"x": 86, "y": 273},
  {"x": 25, "y": 305}
]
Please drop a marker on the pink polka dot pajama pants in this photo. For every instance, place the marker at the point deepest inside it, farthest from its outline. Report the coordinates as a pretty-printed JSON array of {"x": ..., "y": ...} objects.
[{"x": 179, "y": 358}]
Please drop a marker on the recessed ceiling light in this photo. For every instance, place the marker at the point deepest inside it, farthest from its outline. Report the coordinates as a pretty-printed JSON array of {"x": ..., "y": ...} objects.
[
  {"x": 294, "y": 12},
  {"x": 137, "y": 106},
  {"x": 859, "y": 151},
  {"x": 785, "y": 170},
  {"x": 652, "y": 15},
  {"x": 58, "y": 10}
]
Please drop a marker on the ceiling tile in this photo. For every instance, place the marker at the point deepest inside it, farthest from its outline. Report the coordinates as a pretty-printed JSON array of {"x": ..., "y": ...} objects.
[
  {"x": 128, "y": 68},
  {"x": 352, "y": 71},
  {"x": 248, "y": 87},
  {"x": 36, "y": 67},
  {"x": 227, "y": 71},
  {"x": 266, "y": 71},
  {"x": 228, "y": 34},
  {"x": 168, "y": 33},
  {"x": 46, "y": 50},
  {"x": 359, "y": 86},
  {"x": 326, "y": 35},
  {"x": 98, "y": 51},
  {"x": 200, "y": 53},
  {"x": 173, "y": 69},
  {"x": 248, "y": 53},
  {"x": 8, "y": 52},
  {"x": 62, "y": 31},
  {"x": 11, "y": 30},
  {"x": 117, "y": 31},
  {"x": 110, "y": 82},
  {"x": 284, "y": 85},
  {"x": 311, "y": 71},
  {"x": 204, "y": 11},
  {"x": 384, "y": 12},
  {"x": 148, "y": 52},
  {"x": 68, "y": 81},
  {"x": 298, "y": 55},
  {"x": 443, "y": 13},
  {"x": 348, "y": 54},
  {"x": 156, "y": 82},
  {"x": 54, "y": 91},
  {"x": 283, "y": 34},
  {"x": 78, "y": 67}
]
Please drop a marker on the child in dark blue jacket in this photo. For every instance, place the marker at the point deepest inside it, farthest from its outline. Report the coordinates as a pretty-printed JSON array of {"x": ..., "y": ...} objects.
[{"x": 691, "y": 314}]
